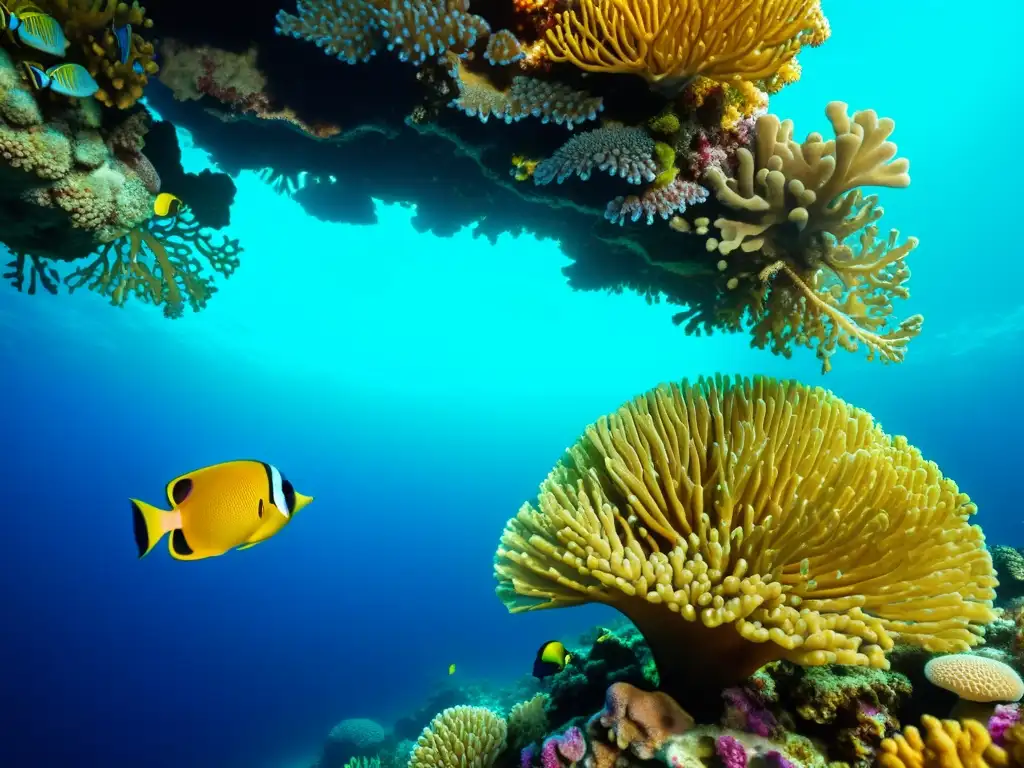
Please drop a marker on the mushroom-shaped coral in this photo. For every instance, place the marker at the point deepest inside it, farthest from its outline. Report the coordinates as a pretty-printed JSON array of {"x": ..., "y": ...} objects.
[
  {"x": 784, "y": 254},
  {"x": 979, "y": 681},
  {"x": 460, "y": 737},
  {"x": 750, "y": 520},
  {"x": 945, "y": 744}
]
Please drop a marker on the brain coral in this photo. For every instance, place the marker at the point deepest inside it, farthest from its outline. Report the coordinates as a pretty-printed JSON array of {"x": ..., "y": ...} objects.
[{"x": 741, "y": 521}]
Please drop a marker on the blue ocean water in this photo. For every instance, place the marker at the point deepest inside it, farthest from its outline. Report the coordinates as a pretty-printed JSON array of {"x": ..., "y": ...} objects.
[{"x": 420, "y": 388}]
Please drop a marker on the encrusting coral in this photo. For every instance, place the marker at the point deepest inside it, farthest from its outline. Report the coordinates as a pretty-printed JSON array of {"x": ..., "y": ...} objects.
[
  {"x": 751, "y": 520},
  {"x": 783, "y": 250}
]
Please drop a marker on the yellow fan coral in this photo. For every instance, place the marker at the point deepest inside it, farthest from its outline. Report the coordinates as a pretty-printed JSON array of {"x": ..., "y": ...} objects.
[
  {"x": 670, "y": 41},
  {"x": 740, "y": 521},
  {"x": 945, "y": 744},
  {"x": 460, "y": 737}
]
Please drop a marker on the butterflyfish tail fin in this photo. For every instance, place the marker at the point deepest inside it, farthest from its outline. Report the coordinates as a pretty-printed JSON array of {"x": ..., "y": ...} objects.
[{"x": 148, "y": 524}]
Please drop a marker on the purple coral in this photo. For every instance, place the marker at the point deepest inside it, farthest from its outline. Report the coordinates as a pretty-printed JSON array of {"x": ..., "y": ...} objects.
[
  {"x": 624, "y": 152},
  {"x": 744, "y": 713},
  {"x": 569, "y": 747},
  {"x": 526, "y": 756},
  {"x": 776, "y": 759},
  {"x": 665, "y": 201},
  {"x": 1005, "y": 717},
  {"x": 732, "y": 753}
]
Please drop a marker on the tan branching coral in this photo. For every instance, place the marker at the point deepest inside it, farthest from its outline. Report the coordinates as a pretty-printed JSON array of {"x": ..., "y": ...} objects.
[
  {"x": 670, "y": 41},
  {"x": 460, "y": 737},
  {"x": 740, "y": 521},
  {"x": 528, "y": 721},
  {"x": 785, "y": 251},
  {"x": 945, "y": 744}
]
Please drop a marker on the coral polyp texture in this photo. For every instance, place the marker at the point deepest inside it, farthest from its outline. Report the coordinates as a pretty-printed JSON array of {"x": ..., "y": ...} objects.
[
  {"x": 944, "y": 744},
  {"x": 460, "y": 737},
  {"x": 749, "y": 520}
]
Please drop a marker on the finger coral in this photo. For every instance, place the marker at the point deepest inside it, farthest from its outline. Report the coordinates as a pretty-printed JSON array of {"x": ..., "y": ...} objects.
[
  {"x": 672, "y": 41},
  {"x": 460, "y": 737},
  {"x": 795, "y": 279},
  {"x": 944, "y": 744},
  {"x": 746, "y": 520}
]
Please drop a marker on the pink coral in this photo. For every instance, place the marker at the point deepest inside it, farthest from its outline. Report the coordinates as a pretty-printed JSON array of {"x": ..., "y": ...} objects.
[
  {"x": 642, "y": 720},
  {"x": 568, "y": 747},
  {"x": 664, "y": 201},
  {"x": 731, "y": 752},
  {"x": 1006, "y": 716}
]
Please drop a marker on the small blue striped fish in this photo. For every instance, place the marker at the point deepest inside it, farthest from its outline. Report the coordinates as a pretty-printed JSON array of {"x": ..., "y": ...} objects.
[
  {"x": 67, "y": 79},
  {"x": 35, "y": 29}
]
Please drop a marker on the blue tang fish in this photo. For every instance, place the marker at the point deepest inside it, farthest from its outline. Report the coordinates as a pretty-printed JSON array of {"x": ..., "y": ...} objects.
[
  {"x": 68, "y": 79},
  {"x": 35, "y": 29}
]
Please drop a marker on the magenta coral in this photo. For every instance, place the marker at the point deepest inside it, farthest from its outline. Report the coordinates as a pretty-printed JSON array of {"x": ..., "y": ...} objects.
[
  {"x": 666, "y": 201},
  {"x": 624, "y": 152},
  {"x": 776, "y": 759},
  {"x": 568, "y": 747},
  {"x": 744, "y": 713},
  {"x": 732, "y": 753},
  {"x": 526, "y": 756},
  {"x": 1006, "y": 716}
]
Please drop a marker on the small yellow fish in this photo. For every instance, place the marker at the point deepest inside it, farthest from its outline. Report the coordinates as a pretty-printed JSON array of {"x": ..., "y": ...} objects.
[
  {"x": 35, "y": 29},
  {"x": 451, "y": 669},
  {"x": 603, "y": 637},
  {"x": 67, "y": 79},
  {"x": 166, "y": 205},
  {"x": 551, "y": 658},
  {"x": 522, "y": 168},
  {"x": 218, "y": 508}
]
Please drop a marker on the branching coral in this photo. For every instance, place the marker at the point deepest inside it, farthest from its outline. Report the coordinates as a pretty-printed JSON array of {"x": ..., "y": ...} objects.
[
  {"x": 944, "y": 744},
  {"x": 36, "y": 271},
  {"x": 671, "y": 41},
  {"x": 156, "y": 264},
  {"x": 795, "y": 279},
  {"x": 751, "y": 520}
]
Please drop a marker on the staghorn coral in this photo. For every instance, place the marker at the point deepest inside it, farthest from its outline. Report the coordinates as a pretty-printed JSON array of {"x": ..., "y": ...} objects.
[
  {"x": 88, "y": 26},
  {"x": 749, "y": 520},
  {"x": 795, "y": 280},
  {"x": 156, "y": 264},
  {"x": 945, "y": 744},
  {"x": 670, "y": 42},
  {"x": 460, "y": 737}
]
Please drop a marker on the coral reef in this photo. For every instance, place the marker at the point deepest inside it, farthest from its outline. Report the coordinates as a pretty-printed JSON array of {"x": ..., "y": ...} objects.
[
  {"x": 1009, "y": 564},
  {"x": 445, "y": 69},
  {"x": 351, "y": 738},
  {"x": 67, "y": 183},
  {"x": 748, "y": 521}
]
